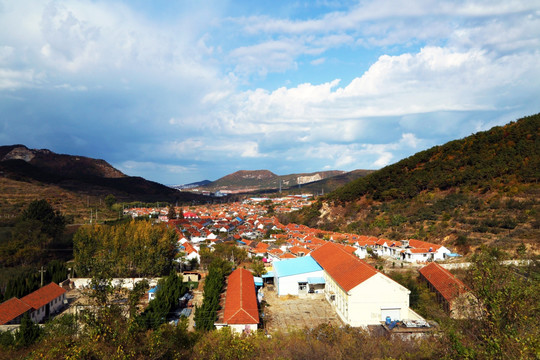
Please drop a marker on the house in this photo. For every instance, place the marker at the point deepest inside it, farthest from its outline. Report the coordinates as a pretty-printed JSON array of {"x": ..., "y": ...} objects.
[
  {"x": 454, "y": 296},
  {"x": 360, "y": 294},
  {"x": 12, "y": 311},
  {"x": 241, "y": 312},
  {"x": 417, "y": 250},
  {"x": 152, "y": 293},
  {"x": 45, "y": 301},
  {"x": 291, "y": 277}
]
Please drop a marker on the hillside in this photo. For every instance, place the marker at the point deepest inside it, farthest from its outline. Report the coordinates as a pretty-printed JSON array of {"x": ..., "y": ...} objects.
[
  {"x": 254, "y": 180},
  {"x": 69, "y": 181},
  {"x": 482, "y": 189}
]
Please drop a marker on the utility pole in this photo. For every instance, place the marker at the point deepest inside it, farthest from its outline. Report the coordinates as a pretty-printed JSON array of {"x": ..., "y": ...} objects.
[{"x": 42, "y": 271}]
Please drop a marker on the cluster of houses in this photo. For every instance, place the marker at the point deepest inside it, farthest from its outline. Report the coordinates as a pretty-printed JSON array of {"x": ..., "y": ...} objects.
[
  {"x": 360, "y": 295},
  {"x": 248, "y": 224},
  {"x": 39, "y": 305},
  {"x": 302, "y": 260}
]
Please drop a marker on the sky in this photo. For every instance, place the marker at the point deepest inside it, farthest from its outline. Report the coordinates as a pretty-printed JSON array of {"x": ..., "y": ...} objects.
[{"x": 183, "y": 91}]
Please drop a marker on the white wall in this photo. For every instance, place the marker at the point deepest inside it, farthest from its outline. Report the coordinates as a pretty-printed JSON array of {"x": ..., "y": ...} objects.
[
  {"x": 367, "y": 300},
  {"x": 288, "y": 285},
  {"x": 54, "y": 306},
  {"x": 239, "y": 328},
  {"x": 126, "y": 283}
]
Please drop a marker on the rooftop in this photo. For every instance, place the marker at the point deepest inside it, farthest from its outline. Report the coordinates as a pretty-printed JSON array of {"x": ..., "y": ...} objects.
[
  {"x": 301, "y": 265},
  {"x": 346, "y": 269},
  {"x": 12, "y": 308},
  {"x": 240, "y": 299},
  {"x": 443, "y": 281},
  {"x": 43, "y": 296}
]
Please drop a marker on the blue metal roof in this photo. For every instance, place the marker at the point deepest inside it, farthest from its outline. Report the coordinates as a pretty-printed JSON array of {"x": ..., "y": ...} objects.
[
  {"x": 300, "y": 265},
  {"x": 258, "y": 281},
  {"x": 316, "y": 280},
  {"x": 269, "y": 274}
]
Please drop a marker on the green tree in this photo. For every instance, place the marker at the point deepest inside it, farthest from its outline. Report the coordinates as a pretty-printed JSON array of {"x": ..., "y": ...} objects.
[
  {"x": 110, "y": 200},
  {"x": 506, "y": 305},
  {"x": 172, "y": 213},
  {"x": 53, "y": 223},
  {"x": 257, "y": 267},
  {"x": 28, "y": 332}
]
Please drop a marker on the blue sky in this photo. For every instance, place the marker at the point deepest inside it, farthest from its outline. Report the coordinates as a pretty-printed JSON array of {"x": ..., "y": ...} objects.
[{"x": 181, "y": 91}]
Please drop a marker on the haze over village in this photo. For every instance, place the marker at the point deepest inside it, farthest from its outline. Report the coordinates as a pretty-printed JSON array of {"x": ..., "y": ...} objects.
[{"x": 261, "y": 180}]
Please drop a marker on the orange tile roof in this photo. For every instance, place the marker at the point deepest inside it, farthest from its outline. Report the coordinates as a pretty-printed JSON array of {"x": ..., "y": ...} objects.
[
  {"x": 422, "y": 244},
  {"x": 240, "y": 299},
  {"x": 12, "y": 308},
  {"x": 43, "y": 296},
  {"x": 443, "y": 281},
  {"x": 287, "y": 256},
  {"x": 346, "y": 269},
  {"x": 298, "y": 250}
]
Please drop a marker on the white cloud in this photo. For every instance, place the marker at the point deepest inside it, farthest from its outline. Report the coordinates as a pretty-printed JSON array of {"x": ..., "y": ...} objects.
[{"x": 198, "y": 88}]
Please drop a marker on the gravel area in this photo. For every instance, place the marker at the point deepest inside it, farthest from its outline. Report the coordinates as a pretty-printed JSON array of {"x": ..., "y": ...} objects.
[{"x": 289, "y": 312}]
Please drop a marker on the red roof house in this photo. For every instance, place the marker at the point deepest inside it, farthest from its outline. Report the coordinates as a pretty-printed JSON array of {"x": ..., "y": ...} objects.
[
  {"x": 451, "y": 292},
  {"x": 241, "y": 312}
]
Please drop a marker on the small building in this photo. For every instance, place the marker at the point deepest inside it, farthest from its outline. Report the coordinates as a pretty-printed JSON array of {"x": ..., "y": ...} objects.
[
  {"x": 291, "y": 276},
  {"x": 45, "y": 301},
  {"x": 191, "y": 276},
  {"x": 241, "y": 311},
  {"x": 152, "y": 293},
  {"x": 452, "y": 294}
]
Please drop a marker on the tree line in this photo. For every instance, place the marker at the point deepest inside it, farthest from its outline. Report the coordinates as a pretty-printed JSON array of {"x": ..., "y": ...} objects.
[{"x": 134, "y": 249}]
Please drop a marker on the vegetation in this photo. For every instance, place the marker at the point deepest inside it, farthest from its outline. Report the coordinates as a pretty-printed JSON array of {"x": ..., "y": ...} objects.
[
  {"x": 206, "y": 314},
  {"x": 482, "y": 189},
  {"x": 507, "y": 302},
  {"x": 34, "y": 231},
  {"x": 507, "y": 153},
  {"x": 30, "y": 280},
  {"x": 169, "y": 290},
  {"x": 136, "y": 249}
]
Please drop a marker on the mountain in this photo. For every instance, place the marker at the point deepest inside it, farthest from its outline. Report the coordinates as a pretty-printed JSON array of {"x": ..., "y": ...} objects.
[
  {"x": 24, "y": 170},
  {"x": 482, "y": 189},
  {"x": 254, "y": 180},
  {"x": 191, "y": 185}
]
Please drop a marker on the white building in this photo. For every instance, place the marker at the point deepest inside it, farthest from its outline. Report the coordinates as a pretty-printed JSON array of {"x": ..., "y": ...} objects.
[
  {"x": 360, "y": 294},
  {"x": 45, "y": 301}
]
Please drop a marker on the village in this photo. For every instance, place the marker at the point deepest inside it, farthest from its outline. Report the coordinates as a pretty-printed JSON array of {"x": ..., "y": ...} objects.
[{"x": 309, "y": 276}]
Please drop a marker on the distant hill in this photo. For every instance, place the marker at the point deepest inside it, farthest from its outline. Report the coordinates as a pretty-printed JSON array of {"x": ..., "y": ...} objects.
[
  {"x": 190, "y": 185},
  {"x": 254, "y": 180},
  {"x": 330, "y": 184},
  {"x": 482, "y": 189},
  {"x": 29, "y": 171}
]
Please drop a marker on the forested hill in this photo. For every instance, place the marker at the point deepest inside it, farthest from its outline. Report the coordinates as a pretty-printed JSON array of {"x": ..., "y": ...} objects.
[
  {"x": 503, "y": 155},
  {"x": 482, "y": 189}
]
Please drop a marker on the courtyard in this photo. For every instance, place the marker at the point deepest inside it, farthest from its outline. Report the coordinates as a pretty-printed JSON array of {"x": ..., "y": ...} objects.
[{"x": 292, "y": 312}]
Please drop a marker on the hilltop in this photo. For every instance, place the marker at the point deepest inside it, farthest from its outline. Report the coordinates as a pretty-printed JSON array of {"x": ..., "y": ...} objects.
[{"x": 482, "y": 189}]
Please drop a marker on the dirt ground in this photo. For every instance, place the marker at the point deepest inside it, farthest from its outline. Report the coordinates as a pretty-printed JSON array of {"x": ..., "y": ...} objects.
[{"x": 289, "y": 312}]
